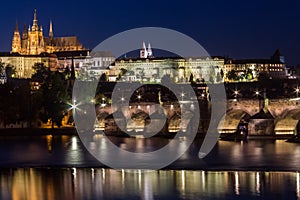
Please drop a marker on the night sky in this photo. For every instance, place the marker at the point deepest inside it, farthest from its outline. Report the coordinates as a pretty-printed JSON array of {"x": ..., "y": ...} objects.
[{"x": 239, "y": 29}]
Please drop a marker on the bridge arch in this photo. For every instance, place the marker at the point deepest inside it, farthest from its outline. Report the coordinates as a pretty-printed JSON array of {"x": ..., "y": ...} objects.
[
  {"x": 231, "y": 120},
  {"x": 100, "y": 121},
  {"x": 178, "y": 122},
  {"x": 288, "y": 122},
  {"x": 137, "y": 121}
]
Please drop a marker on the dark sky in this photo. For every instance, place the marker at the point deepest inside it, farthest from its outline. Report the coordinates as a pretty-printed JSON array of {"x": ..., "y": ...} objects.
[{"x": 238, "y": 28}]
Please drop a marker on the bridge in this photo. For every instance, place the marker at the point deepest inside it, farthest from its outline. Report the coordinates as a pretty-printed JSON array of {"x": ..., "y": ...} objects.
[
  {"x": 274, "y": 116},
  {"x": 261, "y": 117}
]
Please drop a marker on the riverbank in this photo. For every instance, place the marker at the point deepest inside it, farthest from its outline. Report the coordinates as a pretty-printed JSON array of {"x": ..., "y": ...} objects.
[
  {"x": 37, "y": 131},
  {"x": 73, "y": 131},
  {"x": 239, "y": 137}
]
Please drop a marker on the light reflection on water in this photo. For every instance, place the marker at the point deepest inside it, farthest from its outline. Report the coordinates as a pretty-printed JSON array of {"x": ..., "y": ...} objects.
[
  {"x": 90, "y": 183},
  {"x": 68, "y": 151},
  {"x": 82, "y": 176}
]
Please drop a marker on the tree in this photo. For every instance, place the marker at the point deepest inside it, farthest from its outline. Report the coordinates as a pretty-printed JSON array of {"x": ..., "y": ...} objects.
[
  {"x": 10, "y": 71},
  {"x": 232, "y": 75},
  {"x": 249, "y": 74},
  {"x": 2, "y": 68},
  {"x": 264, "y": 79},
  {"x": 122, "y": 73},
  {"x": 222, "y": 73},
  {"x": 67, "y": 73},
  {"x": 54, "y": 98},
  {"x": 191, "y": 80},
  {"x": 41, "y": 72},
  {"x": 103, "y": 77},
  {"x": 9, "y": 112}
]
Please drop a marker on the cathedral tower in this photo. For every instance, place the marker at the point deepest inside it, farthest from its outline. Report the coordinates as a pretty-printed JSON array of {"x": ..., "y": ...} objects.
[
  {"x": 50, "y": 30},
  {"x": 35, "y": 38},
  {"x": 16, "y": 43}
]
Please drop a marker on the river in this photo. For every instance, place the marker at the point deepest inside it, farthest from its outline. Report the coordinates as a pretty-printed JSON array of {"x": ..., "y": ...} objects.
[{"x": 59, "y": 167}]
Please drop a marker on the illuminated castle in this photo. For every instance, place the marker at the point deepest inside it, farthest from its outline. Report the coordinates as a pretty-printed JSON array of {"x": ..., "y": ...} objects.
[{"x": 33, "y": 42}]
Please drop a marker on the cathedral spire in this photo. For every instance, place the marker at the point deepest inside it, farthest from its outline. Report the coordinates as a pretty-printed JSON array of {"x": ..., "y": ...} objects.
[
  {"x": 17, "y": 27},
  {"x": 149, "y": 51},
  {"x": 35, "y": 26},
  {"x": 143, "y": 51},
  {"x": 35, "y": 15},
  {"x": 51, "y": 30},
  {"x": 24, "y": 34},
  {"x": 16, "y": 43},
  {"x": 24, "y": 28}
]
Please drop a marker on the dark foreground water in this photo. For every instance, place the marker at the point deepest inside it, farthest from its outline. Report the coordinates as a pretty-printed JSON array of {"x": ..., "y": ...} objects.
[
  {"x": 97, "y": 183},
  {"x": 59, "y": 167}
]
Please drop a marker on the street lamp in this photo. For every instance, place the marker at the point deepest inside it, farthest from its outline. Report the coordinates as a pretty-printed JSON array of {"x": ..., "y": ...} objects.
[
  {"x": 256, "y": 93},
  {"x": 103, "y": 102},
  {"x": 182, "y": 95},
  {"x": 235, "y": 93},
  {"x": 297, "y": 90}
]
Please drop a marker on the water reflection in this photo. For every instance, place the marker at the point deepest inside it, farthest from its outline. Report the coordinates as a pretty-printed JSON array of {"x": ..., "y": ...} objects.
[{"x": 87, "y": 183}]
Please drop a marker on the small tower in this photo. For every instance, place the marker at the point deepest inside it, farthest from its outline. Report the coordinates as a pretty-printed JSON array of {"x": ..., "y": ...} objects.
[
  {"x": 149, "y": 51},
  {"x": 143, "y": 51},
  {"x": 16, "y": 43},
  {"x": 25, "y": 33},
  {"x": 50, "y": 30}
]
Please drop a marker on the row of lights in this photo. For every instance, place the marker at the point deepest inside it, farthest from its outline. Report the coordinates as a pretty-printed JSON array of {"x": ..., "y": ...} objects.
[
  {"x": 139, "y": 96},
  {"x": 257, "y": 92}
]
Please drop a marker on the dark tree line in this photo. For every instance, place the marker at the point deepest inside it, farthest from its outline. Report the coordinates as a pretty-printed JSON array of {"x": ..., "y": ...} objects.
[
  {"x": 53, "y": 94},
  {"x": 20, "y": 102}
]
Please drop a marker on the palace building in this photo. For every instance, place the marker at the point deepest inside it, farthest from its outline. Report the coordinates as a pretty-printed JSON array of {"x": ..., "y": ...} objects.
[{"x": 33, "y": 42}]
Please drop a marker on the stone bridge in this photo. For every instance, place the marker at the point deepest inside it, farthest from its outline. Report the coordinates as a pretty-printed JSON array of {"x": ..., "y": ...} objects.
[
  {"x": 136, "y": 115},
  {"x": 274, "y": 116}
]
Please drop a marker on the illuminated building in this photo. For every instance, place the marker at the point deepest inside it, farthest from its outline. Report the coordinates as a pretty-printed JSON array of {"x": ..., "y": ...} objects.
[
  {"x": 23, "y": 63},
  {"x": 33, "y": 47},
  {"x": 33, "y": 42},
  {"x": 180, "y": 70},
  {"x": 249, "y": 69}
]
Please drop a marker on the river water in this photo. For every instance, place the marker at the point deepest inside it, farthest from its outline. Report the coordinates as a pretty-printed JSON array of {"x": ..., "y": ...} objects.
[{"x": 59, "y": 167}]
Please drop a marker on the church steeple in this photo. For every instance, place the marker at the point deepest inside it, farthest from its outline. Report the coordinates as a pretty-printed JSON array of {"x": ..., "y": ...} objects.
[
  {"x": 17, "y": 27},
  {"x": 24, "y": 34},
  {"x": 149, "y": 51},
  {"x": 35, "y": 26},
  {"x": 51, "y": 30},
  {"x": 16, "y": 43},
  {"x": 143, "y": 51}
]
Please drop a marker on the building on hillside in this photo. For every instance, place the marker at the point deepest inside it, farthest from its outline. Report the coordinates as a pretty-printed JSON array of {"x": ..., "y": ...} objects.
[
  {"x": 23, "y": 64},
  {"x": 249, "y": 69},
  {"x": 180, "y": 70},
  {"x": 88, "y": 65},
  {"x": 33, "y": 47},
  {"x": 33, "y": 42}
]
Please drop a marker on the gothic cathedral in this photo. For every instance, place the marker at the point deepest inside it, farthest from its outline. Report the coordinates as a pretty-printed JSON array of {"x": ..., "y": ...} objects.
[{"x": 33, "y": 42}]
